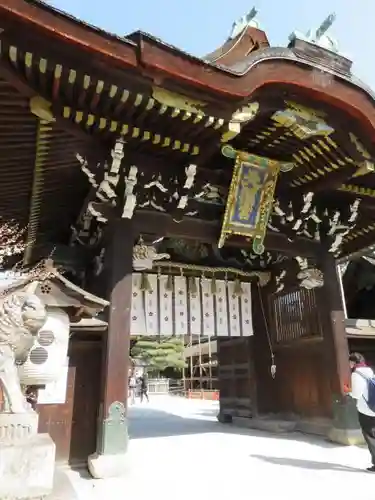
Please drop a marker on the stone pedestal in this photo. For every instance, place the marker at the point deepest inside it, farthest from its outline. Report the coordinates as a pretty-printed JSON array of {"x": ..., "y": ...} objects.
[
  {"x": 18, "y": 426},
  {"x": 110, "y": 459},
  {"x": 345, "y": 429},
  {"x": 107, "y": 466},
  {"x": 27, "y": 459}
]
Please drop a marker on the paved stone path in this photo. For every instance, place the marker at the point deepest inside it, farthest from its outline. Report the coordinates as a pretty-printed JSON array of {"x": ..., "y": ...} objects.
[{"x": 179, "y": 451}]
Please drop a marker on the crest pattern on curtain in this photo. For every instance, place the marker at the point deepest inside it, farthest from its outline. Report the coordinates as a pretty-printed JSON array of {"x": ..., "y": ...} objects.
[{"x": 181, "y": 306}]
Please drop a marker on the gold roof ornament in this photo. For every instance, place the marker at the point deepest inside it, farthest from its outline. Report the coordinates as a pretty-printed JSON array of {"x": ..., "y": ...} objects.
[{"x": 178, "y": 101}]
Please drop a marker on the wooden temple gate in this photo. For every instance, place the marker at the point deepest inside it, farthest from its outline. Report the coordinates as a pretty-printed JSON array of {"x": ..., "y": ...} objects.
[{"x": 256, "y": 160}]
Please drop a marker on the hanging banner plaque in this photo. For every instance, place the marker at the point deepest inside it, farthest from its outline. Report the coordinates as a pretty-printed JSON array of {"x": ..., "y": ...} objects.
[{"x": 250, "y": 196}]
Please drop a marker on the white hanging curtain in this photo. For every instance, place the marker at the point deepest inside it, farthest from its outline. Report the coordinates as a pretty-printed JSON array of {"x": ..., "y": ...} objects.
[{"x": 162, "y": 305}]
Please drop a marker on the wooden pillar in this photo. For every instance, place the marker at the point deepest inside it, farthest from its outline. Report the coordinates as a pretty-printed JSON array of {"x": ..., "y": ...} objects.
[
  {"x": 109, "y": 459},
  {"x": 335, "y": 363},
  {"x": 334, "y": 328}
]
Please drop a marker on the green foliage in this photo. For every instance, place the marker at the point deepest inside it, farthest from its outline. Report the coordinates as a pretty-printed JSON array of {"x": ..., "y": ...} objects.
[{"x": 159, "y": 354}]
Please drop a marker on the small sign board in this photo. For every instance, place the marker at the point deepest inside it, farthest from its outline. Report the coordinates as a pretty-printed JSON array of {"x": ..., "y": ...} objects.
[{"x": 54, "y": 393}]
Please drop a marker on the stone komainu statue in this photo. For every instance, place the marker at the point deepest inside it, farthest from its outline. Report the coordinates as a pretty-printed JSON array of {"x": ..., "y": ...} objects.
[{"x": 22, "y": 314}]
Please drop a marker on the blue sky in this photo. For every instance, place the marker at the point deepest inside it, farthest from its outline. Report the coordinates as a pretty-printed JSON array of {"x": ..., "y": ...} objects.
[{"x": 200, "y": 26}]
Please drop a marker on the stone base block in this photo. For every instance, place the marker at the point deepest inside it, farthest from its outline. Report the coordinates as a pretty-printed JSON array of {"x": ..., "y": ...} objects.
[
  {"x": 224, "y": 418},
  {"x": 106, "y": 466},
  {"x": 273, "y": 425},
  {"x": 314, "y": 426},
  {"x": 348, "y": 437},
  {"x": 27, "y": 468},
  {"x": 18, "y": 426}
]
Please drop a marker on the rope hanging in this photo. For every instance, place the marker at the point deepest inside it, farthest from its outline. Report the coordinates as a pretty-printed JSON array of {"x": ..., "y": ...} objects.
[{"x": 272, "y": 354}]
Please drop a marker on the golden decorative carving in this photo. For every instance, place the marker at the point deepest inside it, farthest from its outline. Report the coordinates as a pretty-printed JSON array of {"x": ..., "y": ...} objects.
[
  {"x": 302, "y": 122},
  {"x": 359, "y": 146},
  {"x": 41, "y": 108},
  {"x": 240, "y": 117},
  {"x": 367, "y": 166},
  {"x": 303, "y": 110},
  {"x": 246, "y": 113},
  {"x": 174, "y": 100},
  {"x": 363, "y": 191}
]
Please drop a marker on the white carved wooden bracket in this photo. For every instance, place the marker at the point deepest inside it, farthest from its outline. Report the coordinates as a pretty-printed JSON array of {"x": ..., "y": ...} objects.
[
  {"x": 130, "y": 198},
  {"x": 99, "y": 262},
  {"x": 190, "y": 172},
  {"x": 117, "y": 154},
  {"x": 98, "y": 216},
  {"x": 85, "y": 169}
]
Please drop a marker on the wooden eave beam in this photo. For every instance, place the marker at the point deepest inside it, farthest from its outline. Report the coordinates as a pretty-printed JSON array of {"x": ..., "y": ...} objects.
[
  {"x": 166, "y": 63},
  {"x": 209, "y": 231},
  {"x": 152, "y": 63},
  {"x": 67, "y": 30},
  {"x": 16, "y": 80},
  {"x": 72, "y": 41},
  {"x": 358, "y": 254},
  {"x": 126, "y": 80},
  {"x": 336, "y": 178},
  {"x": 332, "y": 180},
  {"x": 43, "y": 139},
  {"x": 358, "y": 247}
]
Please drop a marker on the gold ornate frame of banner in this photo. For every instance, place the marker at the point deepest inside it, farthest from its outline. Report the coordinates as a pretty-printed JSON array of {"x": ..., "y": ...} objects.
[{"x": 250, "y": 197}]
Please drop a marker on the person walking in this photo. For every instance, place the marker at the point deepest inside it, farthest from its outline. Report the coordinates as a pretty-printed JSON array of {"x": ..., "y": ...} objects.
[
  {"x": 132, "y": 388},
  {"x": 362, "y": 389},
  {"x": 144, "y": 387}
]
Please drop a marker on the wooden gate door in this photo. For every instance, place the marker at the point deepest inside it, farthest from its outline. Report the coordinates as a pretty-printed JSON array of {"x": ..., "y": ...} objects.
[
  {"x": 72, "y": 425},
  {"x": 86, "y": 357}
]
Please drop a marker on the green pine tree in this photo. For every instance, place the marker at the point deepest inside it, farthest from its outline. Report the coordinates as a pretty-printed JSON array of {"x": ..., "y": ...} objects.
[{"x": 159, "y": 354}]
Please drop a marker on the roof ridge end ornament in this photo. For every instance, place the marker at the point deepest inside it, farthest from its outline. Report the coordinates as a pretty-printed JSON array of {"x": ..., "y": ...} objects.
[
  {"x": 247, "y": 21},
  {"x": 319, "y": 36}
]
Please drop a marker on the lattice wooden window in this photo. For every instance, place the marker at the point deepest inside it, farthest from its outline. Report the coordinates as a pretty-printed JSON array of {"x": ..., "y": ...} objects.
[{"x": 294, "y": 315}]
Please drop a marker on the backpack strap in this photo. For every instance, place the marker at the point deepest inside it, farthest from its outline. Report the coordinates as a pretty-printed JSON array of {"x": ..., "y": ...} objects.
[
  {"x": 368, "y": 379},
  {"x": 363, "y": 375}
]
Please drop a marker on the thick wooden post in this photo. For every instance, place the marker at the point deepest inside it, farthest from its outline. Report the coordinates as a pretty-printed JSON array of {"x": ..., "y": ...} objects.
[
  {"x": 109, "y": 459},
  {"x": 345, "y": 429},
  {"x": 334, "y": 328}
]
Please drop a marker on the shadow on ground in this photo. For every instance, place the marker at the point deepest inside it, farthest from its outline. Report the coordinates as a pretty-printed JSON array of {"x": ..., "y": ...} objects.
[
  {"x": 62, "y": 487},
  {"x": 305, "y": 464},
  {"x": 147, "y": 422}
]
